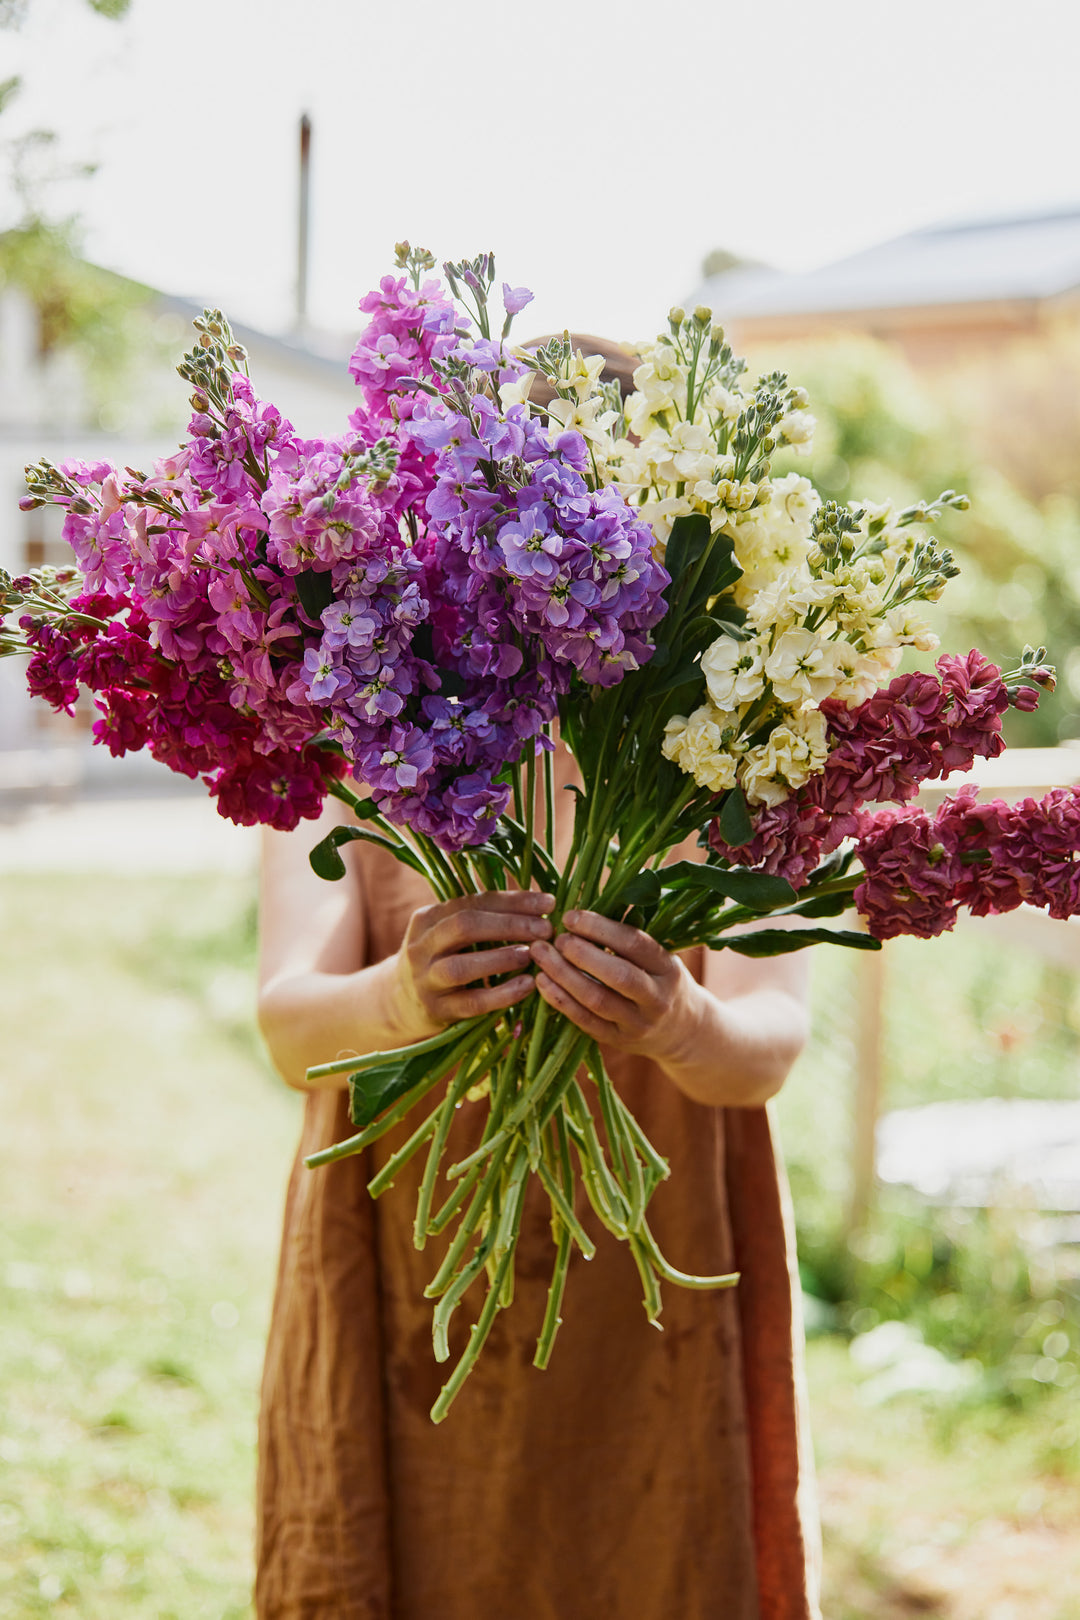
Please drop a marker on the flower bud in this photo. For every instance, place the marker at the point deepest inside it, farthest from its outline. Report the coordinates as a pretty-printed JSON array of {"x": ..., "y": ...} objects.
[
  {"x": 716, "y": 335},
  {"x": 676, "y": 316},
  {"x": 1024, "y": 698},
  {"x": 703, "y": 315},
  {"x": 800, "y": 399}
]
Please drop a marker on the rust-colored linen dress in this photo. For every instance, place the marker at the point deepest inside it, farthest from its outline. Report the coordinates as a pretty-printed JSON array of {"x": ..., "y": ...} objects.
[{"x": 644, "y": 1476}]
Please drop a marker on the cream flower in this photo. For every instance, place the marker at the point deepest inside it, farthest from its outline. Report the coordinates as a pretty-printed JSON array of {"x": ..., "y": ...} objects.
[
  {"x": 516, "y": 392},
  {"x": 724, "y": 402},
  {"x": 797, "y": 429},
  {"x": 803, "y": 667},
  {"x": 586, "y": 417},
  {"x": 733, "y": 671},
  {"x": 696, "y": 746},
  {"x": 662, "y": 514},
  {"x": 791, "y": 756}
]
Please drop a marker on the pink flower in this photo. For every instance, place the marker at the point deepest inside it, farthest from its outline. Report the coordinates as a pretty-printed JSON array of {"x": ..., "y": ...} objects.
[{"x": 911, "y": 875}]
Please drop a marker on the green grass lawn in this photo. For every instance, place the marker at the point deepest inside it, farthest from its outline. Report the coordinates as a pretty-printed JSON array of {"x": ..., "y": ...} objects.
[
  {"x": 143, "y": 1153},
  {"x": 143, "y": 1157}
]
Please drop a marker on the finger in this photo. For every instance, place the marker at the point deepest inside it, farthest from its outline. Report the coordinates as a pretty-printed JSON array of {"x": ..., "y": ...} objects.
[
  {"x": 615, "y": 971},
  {"x": 589, "y": 992},
  {"x": 470, "y": 926},
  {"x": 585, "y": 1019},
  {"x": 636, "y": 946},
  {"x": 524, "y": 900},
  {"x": 482, "y": 999},
  {"x": 451, "y": 972}
]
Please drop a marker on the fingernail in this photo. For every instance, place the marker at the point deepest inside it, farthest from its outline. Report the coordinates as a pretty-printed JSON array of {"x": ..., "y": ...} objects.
[{"x": 571, "y": 917}]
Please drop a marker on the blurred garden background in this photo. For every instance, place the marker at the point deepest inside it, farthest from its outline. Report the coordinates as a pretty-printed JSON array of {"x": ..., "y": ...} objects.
[{"x": 145, "y": 1141}]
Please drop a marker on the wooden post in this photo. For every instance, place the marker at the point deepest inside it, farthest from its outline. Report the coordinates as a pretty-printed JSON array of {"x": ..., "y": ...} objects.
[{"x": 869, "y": 1073}]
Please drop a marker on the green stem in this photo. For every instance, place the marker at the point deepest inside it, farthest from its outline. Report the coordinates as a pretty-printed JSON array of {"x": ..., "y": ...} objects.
[
  {"x": 504, "y": 1247},
  {"x": 369, "y": 1060},
  {"x": 549, "y": 796},
  {"x": 552, "y": 1318},
  {"x": 683, "y": 1279},
  {"x": 530, "y": 817},
  {"x": 481, "y": 1196},
  {"x": 384, "y": 1180},
  {"x": 455, "y": 1093}
]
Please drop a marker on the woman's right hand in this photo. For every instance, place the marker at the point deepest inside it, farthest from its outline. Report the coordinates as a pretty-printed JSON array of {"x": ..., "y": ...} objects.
[{"x": 437, "y": 969}]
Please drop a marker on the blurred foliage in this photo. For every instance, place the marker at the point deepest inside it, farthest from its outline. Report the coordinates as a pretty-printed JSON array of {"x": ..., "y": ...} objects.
[
  {"x": 13, "y": 13},
  {"x": 104, "y": 317},
  {"x": 981, "y": 1285},
  {"x": 966, "y": 1016},
  {"x": 883, "y": 433}
]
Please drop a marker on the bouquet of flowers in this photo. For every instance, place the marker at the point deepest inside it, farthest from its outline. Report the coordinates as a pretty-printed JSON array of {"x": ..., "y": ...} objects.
[{"x": 408, "y": 615}]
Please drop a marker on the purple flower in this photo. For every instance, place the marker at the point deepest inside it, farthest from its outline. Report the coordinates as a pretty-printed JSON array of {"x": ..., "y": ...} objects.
[{"x": 515, "y": 298}]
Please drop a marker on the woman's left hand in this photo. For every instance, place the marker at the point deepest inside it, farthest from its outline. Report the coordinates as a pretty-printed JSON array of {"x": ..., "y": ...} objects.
[{"x": 617, "y": 984}]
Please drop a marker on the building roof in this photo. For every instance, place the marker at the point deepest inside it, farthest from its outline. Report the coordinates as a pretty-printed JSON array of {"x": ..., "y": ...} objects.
[
  {"x": 324, "y": 354},
  {"x": 1027, "y": 258}
]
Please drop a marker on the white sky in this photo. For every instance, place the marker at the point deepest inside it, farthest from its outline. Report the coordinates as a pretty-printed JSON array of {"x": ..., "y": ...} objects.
[{"x": 600, "y": 148}]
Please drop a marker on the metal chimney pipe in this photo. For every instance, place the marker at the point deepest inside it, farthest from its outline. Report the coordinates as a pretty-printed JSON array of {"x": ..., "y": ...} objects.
[{"x": 302, "y": 238}]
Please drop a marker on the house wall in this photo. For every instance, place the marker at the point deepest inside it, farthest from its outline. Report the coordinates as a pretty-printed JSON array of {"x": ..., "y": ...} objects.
[{"x": 932, "y": 339}]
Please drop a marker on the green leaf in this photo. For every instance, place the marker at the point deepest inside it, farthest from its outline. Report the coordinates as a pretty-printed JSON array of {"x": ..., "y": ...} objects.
[
  {"x": 704, "y": 630},
  {"x": 687, "y": 671},
  {"x": 373, "y": 1090},
  {"x": 782, "y": 941},
  {"x": 316, "y": 592},
  {"x": 720, "y": 572},
  {"x": 826, "y": 905},
  {"x": 327, "y": 863},
  {"x": 761, "y": 891},
  {"x": 688, "y": 538},
  {"x": 736, "y": 828},
  {"x": 644, "y": 890}
]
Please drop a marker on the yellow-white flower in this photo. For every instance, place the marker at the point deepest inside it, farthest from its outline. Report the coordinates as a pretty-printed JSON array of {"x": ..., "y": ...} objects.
[
  {"x": 795, "y": 499},
  {"x": 792, "y": 754},
  {"x": 733, "y": 671},
  {"x": 695, "y": 744},
  {"x": 803, "y": 667},
  {"x": 662, "y": 514},
  {"x": 724, "y": 402},
  {"x": 516, "y": 392},
  {"x": 660, "y": 382},
  {"x": 586, "y": 417},
  {"x": 797, "y": 429}
]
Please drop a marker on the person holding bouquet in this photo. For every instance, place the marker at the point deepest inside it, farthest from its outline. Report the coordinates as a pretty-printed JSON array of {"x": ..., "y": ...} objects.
[
  {"x": 642, "y": 1475},
  {"x": 390, "y": 629}
]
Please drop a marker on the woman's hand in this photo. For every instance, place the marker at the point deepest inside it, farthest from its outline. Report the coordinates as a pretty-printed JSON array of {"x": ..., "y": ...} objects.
[
  {"x": 729, "y": 1042},
  {"x": 618, "y": 985},
  {"x": 438, "y": 966}
]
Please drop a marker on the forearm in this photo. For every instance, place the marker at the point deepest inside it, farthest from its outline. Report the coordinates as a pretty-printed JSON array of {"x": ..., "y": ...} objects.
[
  {"x": 309, "y": 1018},
  {"x": 734, "y": 1052}
]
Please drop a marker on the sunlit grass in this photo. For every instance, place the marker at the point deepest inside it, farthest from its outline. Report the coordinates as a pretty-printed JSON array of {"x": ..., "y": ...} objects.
[{"x": 144, "y": 1151}]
